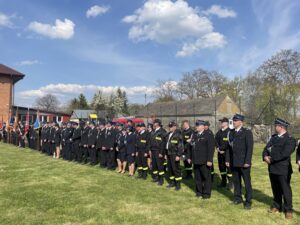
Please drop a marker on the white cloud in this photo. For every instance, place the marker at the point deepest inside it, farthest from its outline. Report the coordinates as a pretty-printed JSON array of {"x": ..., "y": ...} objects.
[
  {"x": 221, "y": 12},
  {"x": 64, "y": 91},
  {"x": 28, "y": 62},
  {"x": 97, "y": 10},
  {"x": 61, "y": 29},
  {"x": 164, "y": 21},
  {"x": 5, "y": 21}
]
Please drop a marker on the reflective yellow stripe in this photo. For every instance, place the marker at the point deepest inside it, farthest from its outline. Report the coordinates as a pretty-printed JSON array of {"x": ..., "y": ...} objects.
[
  {"x": 174, "y": 141},
  {"x": 143, "y": 141},
  {"x": 223, "y": 173},
  {"x": 225, "y": 139},
  {"x": 146, "y": 168},
  {"x": 161, "y": 173},
  {"x": 158, "y": 138},
  {"x": 189, "y": 168},
  {"x": 178, "y": 178},
  {"x": 155, "y": 172},
  {"x": 172, "y": 178},
  {"x": 229, "y": 175},
  {"x": 187, "y": 137},
  {"x": 165, "y": 163}
]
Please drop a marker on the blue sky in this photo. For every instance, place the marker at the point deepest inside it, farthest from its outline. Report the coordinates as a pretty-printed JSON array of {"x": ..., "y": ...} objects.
[{"x": 70, "y": 46}]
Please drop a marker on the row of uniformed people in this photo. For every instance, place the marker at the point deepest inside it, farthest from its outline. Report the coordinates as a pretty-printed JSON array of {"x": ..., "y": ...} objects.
[{"x": 85, "y": 142}]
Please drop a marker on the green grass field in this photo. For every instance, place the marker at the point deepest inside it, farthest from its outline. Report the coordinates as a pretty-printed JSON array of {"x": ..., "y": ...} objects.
[{"x": 35, "y": 189}]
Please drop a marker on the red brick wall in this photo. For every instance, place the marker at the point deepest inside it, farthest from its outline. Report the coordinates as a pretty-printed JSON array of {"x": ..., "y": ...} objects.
[{"x": 5, "y": 97}]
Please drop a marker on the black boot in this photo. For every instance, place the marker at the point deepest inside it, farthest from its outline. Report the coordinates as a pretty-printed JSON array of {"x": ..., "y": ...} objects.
[
  {"x": 140, "y": 174},
  {"x": 160, "y": 180},
  {"x": 155, "y": 178},
  {"x": 144, "y": 174},
  {"x": 171, "y": 184},
  {"x": 223, "y": 182},
  {"x": 178, "y": 186}
]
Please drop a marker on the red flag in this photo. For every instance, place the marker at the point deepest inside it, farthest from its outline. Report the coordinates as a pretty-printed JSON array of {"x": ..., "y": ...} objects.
[{"x": 27, "y": 122}]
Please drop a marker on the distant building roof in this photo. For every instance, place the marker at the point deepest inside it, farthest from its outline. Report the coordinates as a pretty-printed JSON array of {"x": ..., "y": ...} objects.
[
  {"x": 203, "y": 106},
  {"x": 23, "y": 110},
  {"x": 85, "y": 113},
  {"x": 7, "y": 71}
]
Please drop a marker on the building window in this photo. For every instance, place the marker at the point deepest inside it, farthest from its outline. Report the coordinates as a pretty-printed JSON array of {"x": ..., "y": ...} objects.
[{"x": 57, "y": 119}]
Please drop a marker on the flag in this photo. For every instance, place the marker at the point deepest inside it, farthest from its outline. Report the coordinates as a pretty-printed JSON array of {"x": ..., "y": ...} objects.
[
  {"x": 10, "y": 119},
  {"x": 16, "y": 119},
  {"x": 27, "y": 121},
  {"x": 37, "y": 121}
]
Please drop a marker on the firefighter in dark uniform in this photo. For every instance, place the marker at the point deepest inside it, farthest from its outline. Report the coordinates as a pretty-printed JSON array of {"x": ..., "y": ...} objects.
[
  {"x": 142, "y": 148},
  {"x": 157, "y": 147},
  {"x": 76, "y": 139},
  {"x": 32, "y": 137},
  {"x": 109, "y": 145},
  {"x": 239, "y": 158},
  {"x": 79, "y": 153},
  {"x": 22, "y": 135},
  {"x": 277, "y": 154},
  {"x": 187, "y": 132},
  {"x": 100, "y": 144},
  {"x": 45, "y": 138},
  {"x": 174, "y": 148},
  {"x": 92, "y": 141},
  {"x": 121, "y": 151},
  {"x": 298, "y": 156},
  {"x": 57, "y": 140},
  {"x": 222, "y": 145},
  {"x": 51, "y": 140},
  {"x": 84, "y": 142},
  {"x": 63, "y": 140},
  {"x": 202, "y": 153},
  {"x": 207, "y": 129},
  {"x": 68, "y": 141},
  {"x": 4, "y": 133}
]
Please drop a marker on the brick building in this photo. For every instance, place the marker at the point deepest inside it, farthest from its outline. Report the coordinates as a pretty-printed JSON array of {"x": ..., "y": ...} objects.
[{"x": 8, "y": 78}]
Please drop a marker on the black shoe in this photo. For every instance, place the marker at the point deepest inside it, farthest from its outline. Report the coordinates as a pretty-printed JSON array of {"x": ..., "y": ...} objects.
[
  {"x": 171, "y": 184},
  {"x": 206, "y": 197},
  {"x": 247, "y": 206},
  {"x": 237, "y": 202},
  {"x": 198, "y": 195},
  {"x": 160, "y": 181},
  {"x": 178, "y": 186}
]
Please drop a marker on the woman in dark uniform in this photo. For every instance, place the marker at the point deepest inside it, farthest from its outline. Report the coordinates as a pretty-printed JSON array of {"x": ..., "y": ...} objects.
[
  {"x": 57, "y": 140},
  {"x": 121, "y": 152},
  {"x": 130, "y": 149}
]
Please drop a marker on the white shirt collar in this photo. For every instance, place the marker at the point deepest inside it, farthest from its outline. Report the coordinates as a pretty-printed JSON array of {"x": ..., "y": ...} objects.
[
  {"x": 238, "y": 129},
  {"x": 280, "y": 135},
  {"x": 157, "y": 129},
  {"x": 143, "y": 131}
]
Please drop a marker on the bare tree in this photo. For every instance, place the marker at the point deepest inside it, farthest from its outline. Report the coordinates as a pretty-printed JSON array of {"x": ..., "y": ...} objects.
[
  {"x": 48, "y": 102},
  {"x": 166, "y": 91}
]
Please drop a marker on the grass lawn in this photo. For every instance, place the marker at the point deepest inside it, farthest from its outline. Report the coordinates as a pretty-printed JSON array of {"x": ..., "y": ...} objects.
[{"x": 35, "y": 189}]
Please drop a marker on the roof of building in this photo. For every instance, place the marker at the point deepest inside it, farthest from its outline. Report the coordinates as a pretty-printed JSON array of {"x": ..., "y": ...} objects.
[
  {"x": 5, "y": 70},
  {"x": 22, "y": 109},
  {"x": 203, "y": 106},
  {"x": 85, "y": 113}
]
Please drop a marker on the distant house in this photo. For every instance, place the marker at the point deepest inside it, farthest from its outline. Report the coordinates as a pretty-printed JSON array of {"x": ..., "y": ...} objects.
[
  {"x": 209, "y": 109},
  {"x": 86, "y": 114}
]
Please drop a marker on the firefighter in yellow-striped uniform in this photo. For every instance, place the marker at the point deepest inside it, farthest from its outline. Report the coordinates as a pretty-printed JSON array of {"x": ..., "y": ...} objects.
[
  {"x": 222, "y": 145},
  {"x": 174, "y": 150},
  {"x": 209, "y": 131},
  {"x": 142, "y": 150},
  {"x": 157, "y": 148}
]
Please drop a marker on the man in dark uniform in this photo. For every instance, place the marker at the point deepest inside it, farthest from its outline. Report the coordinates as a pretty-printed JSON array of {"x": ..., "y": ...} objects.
[
  {"x": 109, "y": 145},
  {"x": 63, "y": 140},
  {"x": 100, "y": 143},
  {"x": 32, "y": 137},
  {"x": 84, "y": 142},
  {"x": 222, "y": 145},
  {"x": 22, "y": 135},
  {"x": 143, "y": 148},
  {"x": 157, "y": 147},
  {"x": 4, "y": 133},
  {"x": 187, "y": 132},
  {"x": 239, "y": 158},
  {"x": 43, "y": 138},
  {"x": 298, "y": 156},
  {"x": 76, "y": 138},
  {"x": 92, "y": 140},
  {"x": 174, "y": 147},
  {"x": 207, "y": 129},
  {"x": 277, "y": 154},
  {"x": 202, "y": 153},
  {"x": 51, "y": 140},
  {"x": 68, "y": 141}
]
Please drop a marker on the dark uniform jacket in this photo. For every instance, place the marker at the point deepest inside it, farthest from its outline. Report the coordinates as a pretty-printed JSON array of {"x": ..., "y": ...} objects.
[
  {"x": 158, "y": 141},
  {"x": 143, "y": 141},
  {"x": 130, "y": 143},
  {"x": 57, "y": 138},
  {"x": 100, "y": 139},
  {"x": 84, "y": 136},
  {"x": 203, "y": 148},
  {"x": 186, "y": 135},
  {"x": 51, "y": 137},
  {"x": 222, "y": 140},
  {"x": 280, "y": 149},
  {"x": 68, "y": 135},
  {"x": 110, "y": 139},
  {"x": 121, "y": 140},
  {"x": 241, "y": 147},
  {"x": 174, "y": 143},
  {"x": 92, "y": 137},
  {"x": 298, "y": 154},
  {"x": 76, "y": 138}
]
